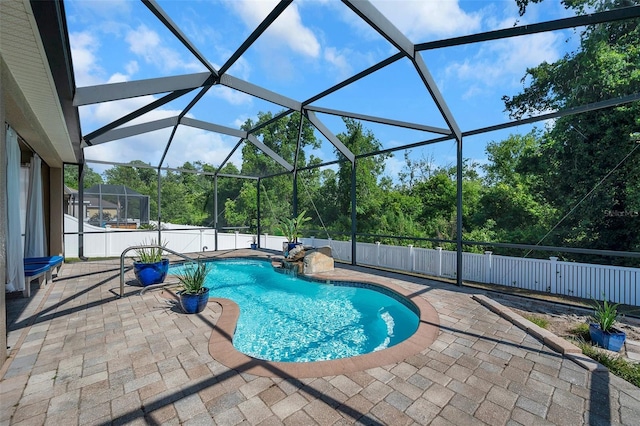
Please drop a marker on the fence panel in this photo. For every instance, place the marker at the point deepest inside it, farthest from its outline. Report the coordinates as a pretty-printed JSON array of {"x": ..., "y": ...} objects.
[
  {"x": 449, "y": 261},
  {"x": 473, "y": 266},
  {"x": 426, "y": 261},
  {"x": 614, "y": 283},
  {"x": 394, "y": 257},
  {"x": 273, "y": 242},
  {"x": 530, "y": 274},
  {"x": 366, "y": 254}
]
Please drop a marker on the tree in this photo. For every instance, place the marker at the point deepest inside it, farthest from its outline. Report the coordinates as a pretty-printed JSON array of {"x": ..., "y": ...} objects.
[
  {"x": 593, "y": 175},
  {"x": 71, "y": 176},
  {"x": 368, "y": 173},
  {"x": 282, "y": 137}
]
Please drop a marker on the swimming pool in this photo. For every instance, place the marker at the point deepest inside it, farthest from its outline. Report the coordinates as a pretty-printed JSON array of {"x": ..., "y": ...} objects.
[{"x": 284, "y": 318}]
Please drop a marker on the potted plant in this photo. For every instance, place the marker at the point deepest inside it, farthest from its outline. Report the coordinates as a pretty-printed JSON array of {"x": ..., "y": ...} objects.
[
  {"x": 290, "y": 228},
  {"x": 602, "y": 330},
  {"x": 151, "y": 267},
  {"x": 193, "y": 295},
  {"x": 254, "y": 242}
]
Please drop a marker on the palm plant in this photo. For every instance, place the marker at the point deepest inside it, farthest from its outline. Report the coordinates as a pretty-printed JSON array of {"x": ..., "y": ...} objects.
[{"x": 290, "y": 227}]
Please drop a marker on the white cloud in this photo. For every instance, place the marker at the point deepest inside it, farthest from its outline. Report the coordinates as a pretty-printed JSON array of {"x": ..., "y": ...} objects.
[
  {"x": 197, "y": 145},
  {"x": 146, "y": 43},
  {"x": 503, "y": 63},
  {"x": 393, "y": 166},
  {"x": 420, "y": 19},
  {"x": 339, "y": 60},
  {"x": 132, "y": 67},
  {"x": 288, "y": 29},
  {"x": 234, "y": 97},
  {"x": 85, "y": 64}
]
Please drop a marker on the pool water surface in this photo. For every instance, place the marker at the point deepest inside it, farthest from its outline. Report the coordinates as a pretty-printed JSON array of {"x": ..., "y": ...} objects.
[{"x": 284, "y": 318}]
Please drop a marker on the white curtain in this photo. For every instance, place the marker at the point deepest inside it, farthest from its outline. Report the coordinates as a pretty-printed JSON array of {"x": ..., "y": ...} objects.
[
  {"x": 15, "y": 267},
  {"x": 34, "y": 241}
]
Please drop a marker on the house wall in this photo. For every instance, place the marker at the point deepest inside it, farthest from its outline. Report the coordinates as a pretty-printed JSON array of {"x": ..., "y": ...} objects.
[
  {"x": 3, "y": 222},
  {"x": 56, "y": 211}
]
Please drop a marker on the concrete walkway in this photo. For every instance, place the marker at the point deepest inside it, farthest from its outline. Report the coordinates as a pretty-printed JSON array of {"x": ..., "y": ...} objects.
[{"x": 81, "y": 355}]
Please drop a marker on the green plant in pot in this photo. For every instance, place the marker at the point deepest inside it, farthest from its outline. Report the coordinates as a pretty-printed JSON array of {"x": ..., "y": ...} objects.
[
  {"x": 151, "y": 267},
  {"x": 602, "y": 330},
  {"x": 290, "y": 228},
  {"x": 194, "y": 295}
]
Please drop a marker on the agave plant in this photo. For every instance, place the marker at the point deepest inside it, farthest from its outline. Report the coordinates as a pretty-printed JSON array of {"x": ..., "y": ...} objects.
[
  {"x": 605, "y": 314},
  {"x": 193, "y": 276},
  {"x": 151, "y": 254}
]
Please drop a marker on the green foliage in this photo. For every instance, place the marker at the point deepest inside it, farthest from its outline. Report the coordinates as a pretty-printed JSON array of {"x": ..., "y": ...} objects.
[
  {"x": 71, "y": 177},
  {"x": 291, "y": 227},
  {"x": 193, "y": 276},
  {"x": 581, "y": 331},
  {"x": 617, "y": 365},
  {"x": 586, "y": 172},
  {"x": 150, "y": 254},
  {"x": 539, "y": 321},
  {"x": 605, "y": 314}
]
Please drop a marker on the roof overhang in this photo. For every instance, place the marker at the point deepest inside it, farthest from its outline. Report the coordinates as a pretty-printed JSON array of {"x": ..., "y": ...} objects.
[{"x": 37, "y": 79}]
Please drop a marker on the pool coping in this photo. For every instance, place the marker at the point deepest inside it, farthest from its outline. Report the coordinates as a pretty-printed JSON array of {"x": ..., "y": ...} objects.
[{"x": 222, "y": 350}]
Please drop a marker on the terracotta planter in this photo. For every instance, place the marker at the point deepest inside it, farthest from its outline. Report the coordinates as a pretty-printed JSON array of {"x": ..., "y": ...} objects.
[
  {"x": 611, "y": 340},
  {"x": 151, "y": 273}
]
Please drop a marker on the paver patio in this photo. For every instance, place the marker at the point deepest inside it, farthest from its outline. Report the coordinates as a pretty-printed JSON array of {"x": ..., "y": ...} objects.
[{"x": 79, "y": 354}]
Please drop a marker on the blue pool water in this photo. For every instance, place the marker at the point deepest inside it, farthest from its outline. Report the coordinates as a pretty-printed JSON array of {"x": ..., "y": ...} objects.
[{"x": 284, "y": 318}]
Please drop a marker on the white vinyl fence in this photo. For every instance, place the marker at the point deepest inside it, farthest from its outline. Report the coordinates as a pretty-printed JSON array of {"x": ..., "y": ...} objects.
[
  {"x": 617, "y": 284},
  {"x": 111, "y": 242},
  {"x": 588, "y": 281}
]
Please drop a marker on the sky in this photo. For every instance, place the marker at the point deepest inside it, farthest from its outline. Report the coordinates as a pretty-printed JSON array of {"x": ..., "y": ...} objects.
[{"x": 312, "y": 46}]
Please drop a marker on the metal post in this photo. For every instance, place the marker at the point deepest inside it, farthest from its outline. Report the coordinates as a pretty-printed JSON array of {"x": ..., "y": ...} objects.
[
  {"x": 215, "y": 211},
  {"x": 295, "y": 193},
  {"x": 159, "y": 208},
  {"x": 353, "y": 212},
  {"x": 258, "y": 230},
  {"x": 100, "y": 203},
  {"x": 81, "y": 211},
  {"x": 459, "y": 213},
  {"x": 295, "y": 167}
]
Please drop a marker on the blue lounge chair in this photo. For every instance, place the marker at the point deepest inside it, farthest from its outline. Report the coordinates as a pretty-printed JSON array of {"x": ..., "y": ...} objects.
[
  {"x": 41, "y": 271},
  {"x": 52, "y": 261}
]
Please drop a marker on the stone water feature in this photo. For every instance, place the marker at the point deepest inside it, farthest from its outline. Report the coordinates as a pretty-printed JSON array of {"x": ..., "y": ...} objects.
[{"x": 308, "y": 260}]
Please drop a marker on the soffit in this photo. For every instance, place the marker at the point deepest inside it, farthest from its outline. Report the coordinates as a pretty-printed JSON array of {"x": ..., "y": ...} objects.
[{"x": 26, "y": 60}]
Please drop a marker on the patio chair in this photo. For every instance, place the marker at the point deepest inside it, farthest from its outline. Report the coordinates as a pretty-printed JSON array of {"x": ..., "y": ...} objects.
[
  {"x": 32, "y": 271},
  {"x": 52, "y": 261}
]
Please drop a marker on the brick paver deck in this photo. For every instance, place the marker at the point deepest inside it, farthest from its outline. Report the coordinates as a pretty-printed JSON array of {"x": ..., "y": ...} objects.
[{"x": 81, "y": 355}]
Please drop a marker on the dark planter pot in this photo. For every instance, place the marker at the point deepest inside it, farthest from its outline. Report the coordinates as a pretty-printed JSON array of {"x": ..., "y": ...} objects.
[
  {"x": 194, "y": 303},
  {"x": 612, "y": 340},
  {"x": 254, "y": 246},
  {"x": 290, "y": 246},
  {"x": 151, "y": 273}
]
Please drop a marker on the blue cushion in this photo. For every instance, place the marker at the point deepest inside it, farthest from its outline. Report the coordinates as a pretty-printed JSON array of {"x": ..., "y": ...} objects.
[
  {"x": 49, "y": 260},
  {"x": 35, "y": 269}
]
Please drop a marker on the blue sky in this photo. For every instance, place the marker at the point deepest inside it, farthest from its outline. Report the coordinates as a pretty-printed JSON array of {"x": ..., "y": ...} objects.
[{"x": 312, "y": 46}]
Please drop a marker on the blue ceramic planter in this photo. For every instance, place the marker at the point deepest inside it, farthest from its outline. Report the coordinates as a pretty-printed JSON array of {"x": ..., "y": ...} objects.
[
  {"x": 151, "y": 273},
  {"x": 611, "y": 341},
  {"x": 194, "y": 303}
]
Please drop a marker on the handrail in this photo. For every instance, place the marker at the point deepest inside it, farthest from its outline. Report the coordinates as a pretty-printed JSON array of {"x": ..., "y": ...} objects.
[{"x": 128, "y": 249}]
